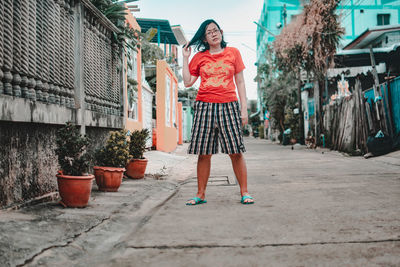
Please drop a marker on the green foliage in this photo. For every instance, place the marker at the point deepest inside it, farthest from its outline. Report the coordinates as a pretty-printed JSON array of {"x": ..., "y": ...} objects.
[
  {"x": 261, "y": 131},
  {"x": 292, "y": 122},
  {"x": 133, "y": 83},
  {"x": 137, "y": 145},
  {"x": 71, "y": 150},
  {"x": 127, "y": 39},
  {"x": 151, "y": 53},
  {"x": 278, "y": 89},
  {"x": 115, "y": 153},
  {"x": 189, "y": 93}
]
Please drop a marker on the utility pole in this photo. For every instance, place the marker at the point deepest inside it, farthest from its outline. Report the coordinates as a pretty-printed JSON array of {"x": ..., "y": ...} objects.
[
  {"x": 284, "y": 15},
  {"x": 301, "y": 114},
  {"x": 377, "y": 95}
]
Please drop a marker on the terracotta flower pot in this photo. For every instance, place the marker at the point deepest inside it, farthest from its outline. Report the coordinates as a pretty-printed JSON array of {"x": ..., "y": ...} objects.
[
  {"x": 136, "y": 168},
  {"x": 74, "y": 190},
  {"x": 108, "y": 178}
]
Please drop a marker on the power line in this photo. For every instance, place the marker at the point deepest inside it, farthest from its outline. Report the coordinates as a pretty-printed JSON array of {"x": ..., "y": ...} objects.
[
  {"x": 351, "y": 9},
  {"x": 252, "y": 49},
  {"x": 228, "y": 32}
]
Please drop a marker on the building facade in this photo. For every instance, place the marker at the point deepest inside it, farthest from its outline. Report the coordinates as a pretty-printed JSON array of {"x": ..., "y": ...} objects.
[{"x": 356, "y": 17}]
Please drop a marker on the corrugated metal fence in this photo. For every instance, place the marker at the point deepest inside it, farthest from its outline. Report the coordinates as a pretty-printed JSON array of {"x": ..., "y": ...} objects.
[
  {"x": 391, "y": 101},
  {"x": 395, "y": 101}
]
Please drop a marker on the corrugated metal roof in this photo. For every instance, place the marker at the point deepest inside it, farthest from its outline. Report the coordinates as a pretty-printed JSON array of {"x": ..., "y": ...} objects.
[
  {"x": 369, "y": 35},
  {"x": 166, "y": 34},
  {"x": 361, "y": 57}
]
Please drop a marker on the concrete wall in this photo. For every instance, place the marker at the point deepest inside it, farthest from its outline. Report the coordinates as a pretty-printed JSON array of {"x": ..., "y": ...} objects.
[
  {"x": 65, "y": 80},
  {"x": 28, "y": 164}
]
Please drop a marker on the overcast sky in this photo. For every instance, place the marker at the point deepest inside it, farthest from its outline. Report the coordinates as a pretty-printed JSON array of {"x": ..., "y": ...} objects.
[{"x": 235, "y": 17}]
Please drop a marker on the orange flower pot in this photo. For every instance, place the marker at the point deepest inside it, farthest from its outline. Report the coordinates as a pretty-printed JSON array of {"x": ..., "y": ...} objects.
[
  {"x": 74, "y": 190},
  {"x": 108, "y": 179},
  {"x": 136, "y": 168}
]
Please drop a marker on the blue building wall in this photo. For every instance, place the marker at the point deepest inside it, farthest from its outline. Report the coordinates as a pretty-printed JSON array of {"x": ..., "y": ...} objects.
[
  {"x": 359, "y": 15},
  {"x": 395, "y": 98},
  {"x": 271, "y": 15}
]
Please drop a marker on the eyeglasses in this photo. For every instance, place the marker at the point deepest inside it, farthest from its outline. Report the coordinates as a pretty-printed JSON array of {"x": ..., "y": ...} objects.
[{"x": 212, "y": 32}]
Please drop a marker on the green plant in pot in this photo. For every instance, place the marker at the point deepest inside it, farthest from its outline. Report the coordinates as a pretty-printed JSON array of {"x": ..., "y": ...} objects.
[
  {"x": 136, "y": 166},
  {"x": 110, "y": 161},
  {"x": 74, "y": 182}
]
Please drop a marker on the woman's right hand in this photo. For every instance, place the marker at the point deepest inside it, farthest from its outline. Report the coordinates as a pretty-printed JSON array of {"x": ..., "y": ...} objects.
[{"x": 186, "y": 51}]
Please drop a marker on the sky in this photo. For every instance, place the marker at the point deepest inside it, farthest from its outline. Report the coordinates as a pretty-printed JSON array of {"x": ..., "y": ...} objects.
[{"x": 235, "y": 17}]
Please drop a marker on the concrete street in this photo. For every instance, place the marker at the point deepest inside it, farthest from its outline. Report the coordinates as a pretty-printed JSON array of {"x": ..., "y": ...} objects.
[{"x": 313, "y": 208}]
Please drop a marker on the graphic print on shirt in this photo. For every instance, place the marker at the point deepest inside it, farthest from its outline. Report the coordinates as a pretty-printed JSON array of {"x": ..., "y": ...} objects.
[{"x": 217, "y": 73}]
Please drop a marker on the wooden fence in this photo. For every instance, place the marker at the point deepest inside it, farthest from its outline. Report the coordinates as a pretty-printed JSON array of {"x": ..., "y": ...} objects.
[{"x": 349, "y": 121}]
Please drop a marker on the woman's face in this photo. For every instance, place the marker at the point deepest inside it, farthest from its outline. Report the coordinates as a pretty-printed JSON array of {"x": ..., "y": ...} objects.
[{"x": 213, "y": 34}]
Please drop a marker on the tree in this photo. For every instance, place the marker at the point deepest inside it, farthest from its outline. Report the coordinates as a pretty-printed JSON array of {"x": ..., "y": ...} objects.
[
  {"x": 309, "y": 43},
  {"x": 278, "y": 89}
]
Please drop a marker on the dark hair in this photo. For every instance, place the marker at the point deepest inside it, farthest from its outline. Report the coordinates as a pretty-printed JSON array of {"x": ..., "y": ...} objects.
[{"x": 199, "y": 37}]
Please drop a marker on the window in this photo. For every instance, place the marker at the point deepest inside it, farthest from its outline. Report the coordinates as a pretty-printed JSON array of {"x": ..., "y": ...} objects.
[
  {"x": 383, "y": 19},
  {"x": 168, "y": 101},
  {"x": 174, "y": 105}
]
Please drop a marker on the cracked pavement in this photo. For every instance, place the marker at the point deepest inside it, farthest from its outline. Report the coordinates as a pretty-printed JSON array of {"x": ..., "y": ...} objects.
[{"x": 313, "y": 208}]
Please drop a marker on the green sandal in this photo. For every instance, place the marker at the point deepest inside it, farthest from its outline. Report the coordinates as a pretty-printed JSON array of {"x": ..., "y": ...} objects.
[
  {"x": 197, "y": 201},
  {"x": 246, "y": 197}
]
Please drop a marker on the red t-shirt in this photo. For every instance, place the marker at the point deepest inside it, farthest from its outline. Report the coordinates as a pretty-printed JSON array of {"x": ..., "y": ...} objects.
[{"x": 217, "y": 72}]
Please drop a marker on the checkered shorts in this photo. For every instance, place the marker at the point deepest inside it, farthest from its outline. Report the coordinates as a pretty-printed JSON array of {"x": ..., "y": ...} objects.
[{"x": 214, "y": 123}]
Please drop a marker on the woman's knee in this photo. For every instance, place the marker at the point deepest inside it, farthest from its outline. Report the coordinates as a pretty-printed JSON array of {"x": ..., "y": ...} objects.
[
  {"x": 236, "y": 156},
  {"x": 205, "y": 157}
]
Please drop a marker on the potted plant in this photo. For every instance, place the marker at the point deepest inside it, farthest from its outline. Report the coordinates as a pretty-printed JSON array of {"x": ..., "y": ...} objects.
[
  {"x": 74, "y": 183},
  {"x": 136, "y": 166},
  {"x": 110, "y": 161}
]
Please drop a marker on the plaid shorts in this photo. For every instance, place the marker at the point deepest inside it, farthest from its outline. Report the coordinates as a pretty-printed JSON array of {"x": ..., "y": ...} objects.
[{"x": 215, "y": 123}]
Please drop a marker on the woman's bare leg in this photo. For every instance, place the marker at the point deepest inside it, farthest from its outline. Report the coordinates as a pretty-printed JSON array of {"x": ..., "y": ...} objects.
[
  {"x": 203, "y": 173},
  {"x": 240, "y": 170}
]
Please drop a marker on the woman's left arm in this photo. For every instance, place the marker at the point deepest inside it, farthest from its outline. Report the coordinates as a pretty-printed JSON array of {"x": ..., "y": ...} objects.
[{"x": 239, "y": 80}]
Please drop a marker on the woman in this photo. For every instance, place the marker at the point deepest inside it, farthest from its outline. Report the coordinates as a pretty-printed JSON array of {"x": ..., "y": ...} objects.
[{"x": 217, "y": 117}]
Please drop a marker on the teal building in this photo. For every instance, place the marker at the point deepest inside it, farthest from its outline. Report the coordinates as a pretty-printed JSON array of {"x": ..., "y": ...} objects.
[
  {"x": 274, "y": 15},
  {"x": 356, "y": 17}
]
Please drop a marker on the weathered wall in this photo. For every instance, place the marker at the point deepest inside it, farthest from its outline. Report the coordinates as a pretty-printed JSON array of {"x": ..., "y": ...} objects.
[
  {"x": 28, "y": 163},
  {"x": 97, "y": 137}
]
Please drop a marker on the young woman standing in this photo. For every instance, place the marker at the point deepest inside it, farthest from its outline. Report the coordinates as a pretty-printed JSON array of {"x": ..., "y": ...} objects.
[{"x": 217, "y": 117}]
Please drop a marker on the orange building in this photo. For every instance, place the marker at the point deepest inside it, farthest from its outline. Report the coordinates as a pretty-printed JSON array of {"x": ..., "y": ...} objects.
[
  {"x": 169, "y": 113},
  {"x": 168, "y": 131}
]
